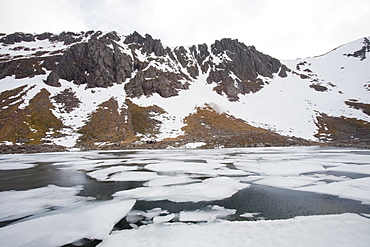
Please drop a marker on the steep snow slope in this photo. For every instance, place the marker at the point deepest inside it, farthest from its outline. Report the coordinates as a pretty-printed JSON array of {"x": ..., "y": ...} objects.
[{"x": 287, "y": 105}]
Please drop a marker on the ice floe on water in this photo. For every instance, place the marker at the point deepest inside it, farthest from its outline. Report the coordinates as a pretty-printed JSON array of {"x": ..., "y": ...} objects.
[
  {"x": 93, "y": 221},
  {"x": 134, "y": 176},
  {"x": 18, "y": 204},
  {"x": 329, "y": 230},
  {"x": 279, "y": 167},
  {"x": 106, "y": 173},
  {"x": 356, "y": 189},
  {"x": 170, "y": 181},
  {"x": 207, "y": 190},
  {"x": 288, "y": 182},
  {"x": 182, "y": 197},
  {"x": 184, "y": 166},
  {"x": 4, "y": 165}
]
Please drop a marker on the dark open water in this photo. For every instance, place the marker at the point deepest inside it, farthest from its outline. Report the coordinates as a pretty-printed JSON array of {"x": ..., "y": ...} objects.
[{"x": 271, "y": 202}]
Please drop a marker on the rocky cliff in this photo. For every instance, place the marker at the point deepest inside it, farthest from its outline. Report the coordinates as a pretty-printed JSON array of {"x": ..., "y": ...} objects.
[
  {"x": 101, "y": 60},
  {"x": 109, "y": 90}
]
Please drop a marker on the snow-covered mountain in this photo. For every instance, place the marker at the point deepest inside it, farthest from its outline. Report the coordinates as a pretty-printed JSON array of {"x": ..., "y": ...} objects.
[{"x": 107, "y": 90}]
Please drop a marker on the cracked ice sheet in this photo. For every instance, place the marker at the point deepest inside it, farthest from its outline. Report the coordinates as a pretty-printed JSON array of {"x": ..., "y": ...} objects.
[
  {"x": 362, "y": 169},
  {"x": 18, "y": 204},
  {"x": 16, "y": 161},
  {"x": 287, "y": 182},
  {"x": 92, "y": 221},
  {"x": 9, "y": 165},
  {"x": 208, "y": 190},
  {"x": 279, "y": 168},
  {"x": 184, "y": 167},
  {"x": 84, "y": 164},
  {"x": 135, "y": 176},
  {"x": 105, "y": 173},
  {"x": 327, "y": 230},
  {"x": 355, "y": 189},
  {"x": 170, "y": 181},
  {"x": 74, "y": 160}
]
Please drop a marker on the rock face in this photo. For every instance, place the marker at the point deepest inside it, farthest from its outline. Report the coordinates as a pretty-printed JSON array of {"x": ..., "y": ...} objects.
[
  {"x": 23, "y": 68},
  {"x": 142, "y": 63},
  {"x": 238, "y": 73},
  {"x": 363, "y": 51},
  {"x": 38, "y": 61},
  {"x": 147, "y": 44},
  {"x": 66, "y": 37},
  {"x": 93, "y": 63}
]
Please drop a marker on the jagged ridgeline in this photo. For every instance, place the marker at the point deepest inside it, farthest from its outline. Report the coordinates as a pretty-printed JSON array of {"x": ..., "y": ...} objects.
[
  {"x": 98, "y": 60},
  {"x": 88, "y": 90}
]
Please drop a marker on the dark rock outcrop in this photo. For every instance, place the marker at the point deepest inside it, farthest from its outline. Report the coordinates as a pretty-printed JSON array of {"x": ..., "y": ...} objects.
[
  {"x": 283, "y": 70},
  {"x": 152, "y": 81},
  {"x": 318, "y": 87},
  {"x": 239, "y": 68},
  {"x": 147, "y": 44},
  {"x": 92, "y": 63},
  {"x": 23, "y": 68},
  {"x": 200, "y": 53},
  {"x": 66, "y": 100},
  {"x": 363, "y": 51},
  {"x": 17, "y": 38},
  {"x": 187, "y": 61},
  {"x": 66, "y": 37},
  {"x": 99, "y": 60}
]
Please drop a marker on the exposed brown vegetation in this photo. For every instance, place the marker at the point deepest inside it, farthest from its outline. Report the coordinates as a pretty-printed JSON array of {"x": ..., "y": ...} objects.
[
  {"x": 342, "y": 129},
  {"x": 11, "y": 117},
  {"x": 107, "y": 124},
  {"x": 109, "y": 127},
  {"x": 31, "y": 124},
  {"x": 205, "y": 125},
  {"x": 142, "y": 118},
  {"x": 225, "y": 130},
  {"x": 40, "y": 119},
  {"x": 359, "y": 106}
]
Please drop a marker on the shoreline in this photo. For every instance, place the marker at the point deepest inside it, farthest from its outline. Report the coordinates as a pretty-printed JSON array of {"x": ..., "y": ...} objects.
[{"x": 47, "y": 148}]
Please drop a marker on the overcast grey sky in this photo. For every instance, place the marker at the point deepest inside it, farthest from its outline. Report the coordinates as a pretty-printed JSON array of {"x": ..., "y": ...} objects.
[{"x": 285, "y": 29}]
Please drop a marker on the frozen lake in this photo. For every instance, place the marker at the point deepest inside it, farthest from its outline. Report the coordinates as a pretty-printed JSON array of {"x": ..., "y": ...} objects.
[{"x": 181, "y": 197}]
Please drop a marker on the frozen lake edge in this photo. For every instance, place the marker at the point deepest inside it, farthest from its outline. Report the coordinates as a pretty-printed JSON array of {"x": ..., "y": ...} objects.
[{"x": 212, "y": 186}]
